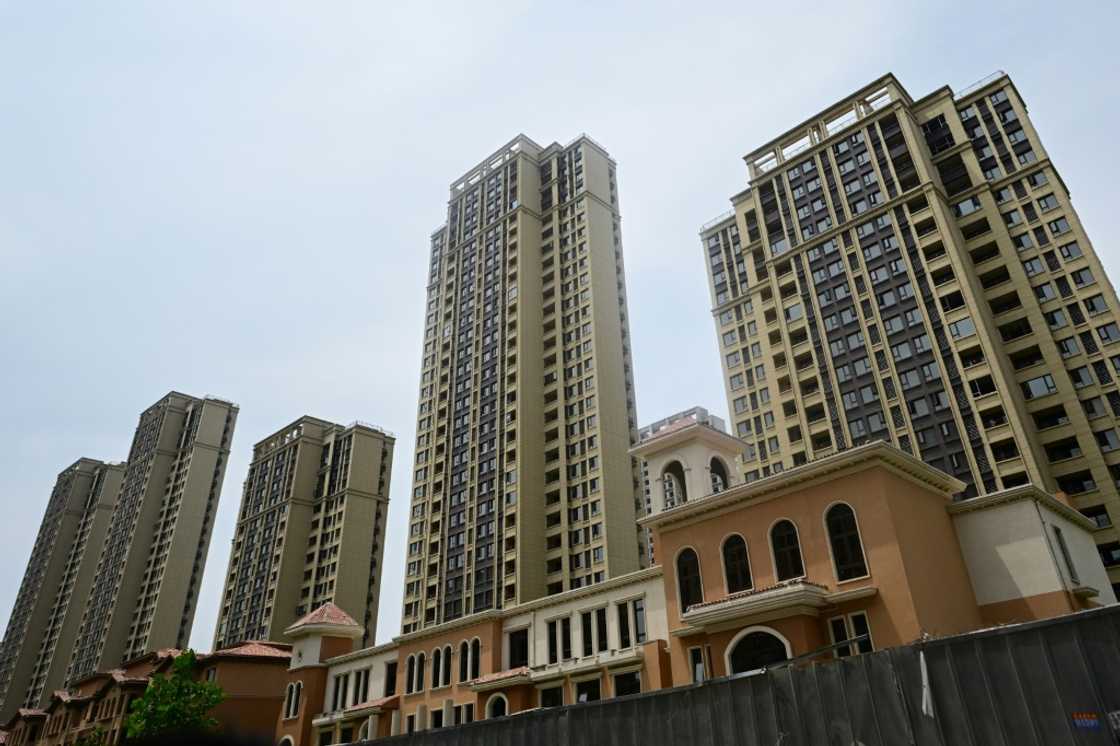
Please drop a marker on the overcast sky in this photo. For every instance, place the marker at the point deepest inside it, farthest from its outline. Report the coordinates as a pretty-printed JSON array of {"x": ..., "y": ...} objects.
[{"x": 235, "y": 198}]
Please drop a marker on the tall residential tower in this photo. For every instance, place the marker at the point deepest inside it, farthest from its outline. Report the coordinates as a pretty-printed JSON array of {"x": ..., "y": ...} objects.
[
  {"x": 143, "y": 592},
  {"x": 523, "y": 485},
  {"x": 44, "y": 621},
  {"x": 311, "y": 530},
  {"x": 914, "y": 271}
]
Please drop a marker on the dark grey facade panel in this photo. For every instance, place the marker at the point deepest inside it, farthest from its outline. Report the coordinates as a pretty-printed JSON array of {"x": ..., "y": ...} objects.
[{"x": 1047, "y": 683}]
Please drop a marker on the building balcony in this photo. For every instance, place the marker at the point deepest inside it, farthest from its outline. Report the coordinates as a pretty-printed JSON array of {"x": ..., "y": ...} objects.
[{"x": 791, "y": 598}]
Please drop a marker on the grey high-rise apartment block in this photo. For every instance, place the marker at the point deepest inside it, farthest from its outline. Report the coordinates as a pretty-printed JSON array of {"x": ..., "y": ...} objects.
[
  {"x": 48, "y": 607},
  {"x": 311, "y": 529},
  {"x": 143, "y": 592},
  {"x": 913, "y": 270},
  {"x": 523, "y": 485}
]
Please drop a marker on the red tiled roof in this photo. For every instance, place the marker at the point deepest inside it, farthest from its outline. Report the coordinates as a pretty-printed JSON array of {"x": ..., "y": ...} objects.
[
  {"x": 254, "y": 648},
  {"x": 499, "y": 675},
  {"x": 672, "y": 427},
  {"x": 328, "y": 613},
  {"x": 373, "y": 703},
  {"x": 121, "y": 677},
  {"x": 754, "y": 592}
]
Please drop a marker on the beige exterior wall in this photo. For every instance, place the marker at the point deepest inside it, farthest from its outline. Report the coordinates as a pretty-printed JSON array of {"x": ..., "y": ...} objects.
[
  {"x": 1012, "y": 552},
  {"x": 314, "y": 489},
  {"x": 521, "y": 483},
  {"x": 43, "y": 620},
  {"x": 955, "y": 195},
  {"x": 143, "y": 592}
]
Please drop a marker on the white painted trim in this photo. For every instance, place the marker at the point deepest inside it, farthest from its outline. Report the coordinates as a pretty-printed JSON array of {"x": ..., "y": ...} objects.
[
  {"x": 743, "y": 633},
  {"x": 493, "y": 698}
]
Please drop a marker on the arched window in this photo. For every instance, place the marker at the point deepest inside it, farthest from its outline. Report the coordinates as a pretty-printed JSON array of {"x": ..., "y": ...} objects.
[
  {"x": 719, "y": 475},
  {"x": 291, "y": 699},
  {"x": 437, "y": 667},
  {"x": 446, "y": 665},
  {"x": 476, "y": 658},
  {"x": 410, "y": 679},
  {"x": 843, "y": 536},
  {"x": 497, "y": 706},
  {"x": 464, "y": 660},
  {"x": 736, "y": 564},
  {"x": 673, "y": 480},
  {"x": 420, "y": 660},
  {"x": 787, "y": 551},
  {"x": 688, "y": 579}
]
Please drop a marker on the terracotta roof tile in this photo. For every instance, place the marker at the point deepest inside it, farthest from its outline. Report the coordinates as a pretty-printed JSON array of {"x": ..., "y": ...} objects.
[
  {"x": 499, "y": 675},
  {"x": 254, "y": 648},
  {"x": 754, "y": 592},
  {"x": 373, "y": 703},
  {"x": 328, "y": 613}
]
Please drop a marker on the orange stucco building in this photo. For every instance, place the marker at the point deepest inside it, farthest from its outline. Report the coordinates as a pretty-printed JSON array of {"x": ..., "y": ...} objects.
[
  {"x": 857, "y": 551},
  {"x": 252, "y": 675}
]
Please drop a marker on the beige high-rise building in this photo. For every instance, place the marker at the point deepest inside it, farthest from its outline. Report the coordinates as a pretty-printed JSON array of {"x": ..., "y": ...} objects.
[
  {"x": 523, "y": 485},
  {"x": 914, "y": 271},
  {"x": 143, "y": 592},
  {"x": 311, "y": 530},
  {"x": 40, "y": 634}
]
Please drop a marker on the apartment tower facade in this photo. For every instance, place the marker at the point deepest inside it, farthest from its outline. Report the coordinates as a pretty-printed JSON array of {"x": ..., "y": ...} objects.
[
  {"x": 63, "y": 558},
  {"x": 311, "y": 530},
  {"x": 143, "y": 591},
  {"x": 523, "y": 485},
  {"x": 914, "y": 271}
]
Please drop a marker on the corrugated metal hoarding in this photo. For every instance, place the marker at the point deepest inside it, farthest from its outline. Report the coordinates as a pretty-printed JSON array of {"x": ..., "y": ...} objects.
[{"x": 1045, "y": 683}]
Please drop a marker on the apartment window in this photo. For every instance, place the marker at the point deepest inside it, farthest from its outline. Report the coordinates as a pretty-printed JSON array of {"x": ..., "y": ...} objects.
[
  {"x": 588, "y": 691},
  {"x": 736, "y": 564},
  {"x": 688, "y": 579},
  {"x": 1081, "y": 377},
  {"x": 1108, "y": 440},
  {"x": 552, "y": 696},
  {"x": 627, "y": 683},
  {"x": 787, "y": 551},
  {"x": 518, "y": 648},
  {"x": 1098, "y": 514},
  {"x": 1095, "y": 305},
  {"x": 854, "y": 627},
  {"x": 1049, "y": 202},
  {"x": 1109, "y": 333},
  {"x": 1058, "y": 227},
  {"x": 843, "y": 535},
  {"x": 1082, "y": 277},
  {"x": 961, "y": 329},
  {"x": 1033, "y": 267},
  {"x": 696, "y": 665},
  {"x": 1070, "y": 251}
]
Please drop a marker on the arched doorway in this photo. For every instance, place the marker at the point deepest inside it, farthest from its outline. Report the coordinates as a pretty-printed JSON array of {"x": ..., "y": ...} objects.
[
  {"x": 497, "y": 706},
  {"x": 753, "y": 649}
]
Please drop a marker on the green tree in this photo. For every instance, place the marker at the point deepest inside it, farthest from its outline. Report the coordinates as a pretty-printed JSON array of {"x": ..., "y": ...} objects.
[
  {"x": 95, "y": 737},
  {"x": 175, "y": 703}
]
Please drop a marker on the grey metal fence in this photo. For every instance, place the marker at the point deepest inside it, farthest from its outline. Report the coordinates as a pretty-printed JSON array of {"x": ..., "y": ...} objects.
[{"x": 1051, "y": 682}]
